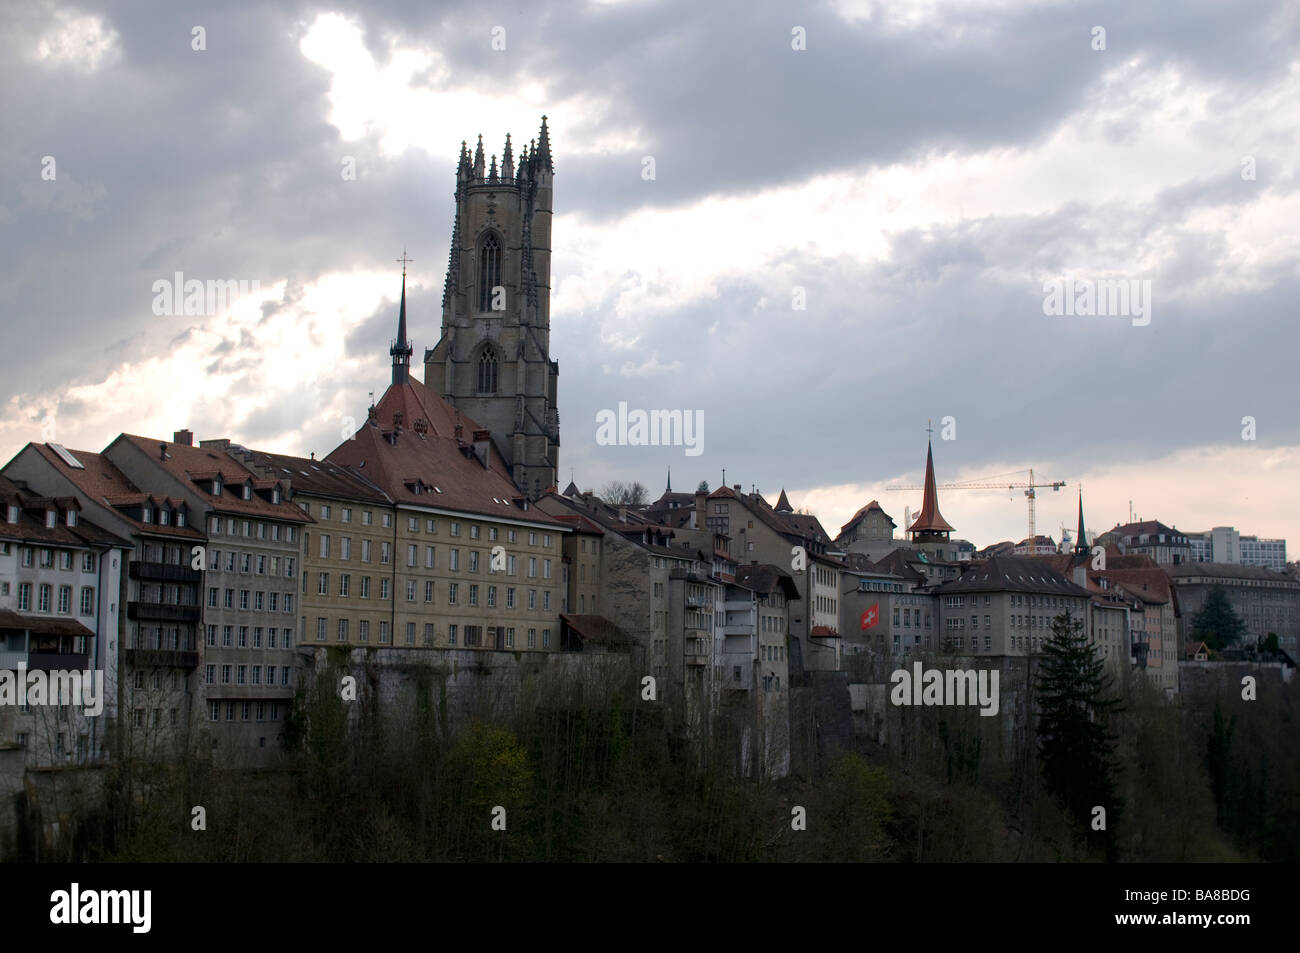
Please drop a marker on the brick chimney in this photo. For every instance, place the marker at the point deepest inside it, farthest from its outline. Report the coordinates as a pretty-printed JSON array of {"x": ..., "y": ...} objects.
[
  {"x": 184, "y": 438},
  {"x": 697, "y": 518}
]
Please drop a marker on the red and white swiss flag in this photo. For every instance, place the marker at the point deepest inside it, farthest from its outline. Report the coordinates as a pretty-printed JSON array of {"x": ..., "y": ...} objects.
[{"x": 871, "y": 616}]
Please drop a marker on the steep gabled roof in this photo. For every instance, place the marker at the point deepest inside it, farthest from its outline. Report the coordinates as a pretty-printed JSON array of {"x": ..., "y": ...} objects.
[
  {"x": 857, "y": 517},
  {"x": 765, "y": 578},
  {"x": 192, "y": 466},
  {"x": 419, "y": 449},
  {"x": 104, "y": 483}
]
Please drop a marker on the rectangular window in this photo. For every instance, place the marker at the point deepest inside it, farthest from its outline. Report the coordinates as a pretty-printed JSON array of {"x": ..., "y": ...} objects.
[
  {"x": 451, "y": 635},
  {"x": 455, "y": 560},
  {"x": 410, "y": 633},
  {"x": 383, "y": 632},
  {"x": 365, "y": 587},
  {"x": 243, "y": 636},
  {"x": 430, "y": 561},
  {"x": 363, "y": 630},
  {"x": 345, "y": 583},
  {"x": 383, "y": 589},
  {"x": 428, "y": 590},
  {"x": 473, "y": 594},
  {"x": 321, "y": 629},
  {"x": 532, "y": 638},
  {"x": 452, "y": 589},
  {"x": 510, "y": 597},
  {"x": 343, "y": 630},
  {"x": 492, "y": 597},
  {"x": 324, "y": 587}
]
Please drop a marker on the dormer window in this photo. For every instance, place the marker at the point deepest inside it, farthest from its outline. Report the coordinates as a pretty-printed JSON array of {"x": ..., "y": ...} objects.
[
  {"x": 146, "y": 515},
  {"x": 248, "y": 491},
  {"x": 180, "y": 517},
  {"x": 72, "y": 517},
  {"x": 275, "y": 495},
  {"x": 13, "y": 513},
  {"x": 49, "y": 519},
  {"x": 164, "y": 517},
  {"x": 216, "y": 485}
]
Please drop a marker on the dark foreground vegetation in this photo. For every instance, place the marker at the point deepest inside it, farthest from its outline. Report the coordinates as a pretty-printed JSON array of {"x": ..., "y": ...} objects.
[{"x": 612, "y": 784}]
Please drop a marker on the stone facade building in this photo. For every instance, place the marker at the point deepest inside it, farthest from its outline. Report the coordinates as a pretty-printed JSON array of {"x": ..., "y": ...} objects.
[
  {"x": 156, "y": 599},
  {"x": 60, "y": 582}
]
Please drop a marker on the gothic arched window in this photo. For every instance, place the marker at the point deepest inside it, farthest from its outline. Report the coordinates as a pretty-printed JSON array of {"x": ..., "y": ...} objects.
[
  {"x": 489, "y": 270},
  {"x": 487, "y": 371}
]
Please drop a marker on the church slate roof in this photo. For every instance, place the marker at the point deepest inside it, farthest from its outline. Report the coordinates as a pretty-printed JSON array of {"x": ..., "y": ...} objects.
[{"x": 419, "y": 449}]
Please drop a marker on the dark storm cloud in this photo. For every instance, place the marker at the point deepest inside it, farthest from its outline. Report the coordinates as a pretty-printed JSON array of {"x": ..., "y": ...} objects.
[{"x": 223, "y": 164}]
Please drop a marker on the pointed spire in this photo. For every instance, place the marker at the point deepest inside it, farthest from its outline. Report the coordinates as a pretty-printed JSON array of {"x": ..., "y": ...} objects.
[
  {"x": 1081, "y": 538},
  {"x": 783, "y": 503},
  {"x": 929, "y": 522},
  {"x": 507, "y": 161},
  {"x": 462, "y": 164},
  {"x": 492, "y": 172},
  {"x": 401, "y": 349},
  {"x": 544, "y": 145},
  {"x": 669, "y": 487},
  {"x": 478, "y": 159}
]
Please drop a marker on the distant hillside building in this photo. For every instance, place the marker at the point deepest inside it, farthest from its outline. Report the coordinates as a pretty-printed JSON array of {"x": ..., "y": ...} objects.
[
  {"x": 1165, "y": 544},
  {"x": 1223, "y": 544},
  {"x": 1268, "y": 602},
  {"x": 869, "y": 531}
]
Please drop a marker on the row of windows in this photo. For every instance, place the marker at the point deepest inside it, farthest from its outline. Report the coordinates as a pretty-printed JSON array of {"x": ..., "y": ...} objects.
[
  {"x": 176, "y": 682},
  {"x": 324, "y": 511},
  {"x": 250, "y": 529},
  {"x": 260, "y": 600},
  {"x": 246, "y": 674},
  {"x": 44, "y": 599},
  {"x": 66, "y": 558},
  {"x": 245, "y": 708},
  {"x": 251, "y": 563},
  {"x": 472, "y": 635},
  {"x": 275, "y": 638},
  {"x": 413, "y": 591}
]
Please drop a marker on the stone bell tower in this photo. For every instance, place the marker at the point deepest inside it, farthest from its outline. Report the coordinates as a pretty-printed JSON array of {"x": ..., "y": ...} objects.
[{"x": 493, "y": 359}]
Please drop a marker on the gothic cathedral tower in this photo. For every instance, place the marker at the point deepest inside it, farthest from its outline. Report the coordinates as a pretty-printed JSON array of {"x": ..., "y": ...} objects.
[{"x": 493, "y": 359}]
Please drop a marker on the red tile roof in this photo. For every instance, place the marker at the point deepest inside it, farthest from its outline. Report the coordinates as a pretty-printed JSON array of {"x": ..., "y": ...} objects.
[
  {"x": 104, "y": 483},
  {"x": 194, "y": 465},
  {"x": 419, "y": 449}
]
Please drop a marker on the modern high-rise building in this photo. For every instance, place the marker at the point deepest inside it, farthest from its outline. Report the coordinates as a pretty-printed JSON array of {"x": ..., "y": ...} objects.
[{"x": 1224, "y": 544}]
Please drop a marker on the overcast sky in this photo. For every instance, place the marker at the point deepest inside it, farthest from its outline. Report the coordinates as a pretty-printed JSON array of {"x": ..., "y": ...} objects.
[{"x": 919, "y": 170}]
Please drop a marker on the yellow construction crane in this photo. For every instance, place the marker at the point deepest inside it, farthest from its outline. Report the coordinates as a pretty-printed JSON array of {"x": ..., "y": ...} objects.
[{"x": 987, "y": 483}]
